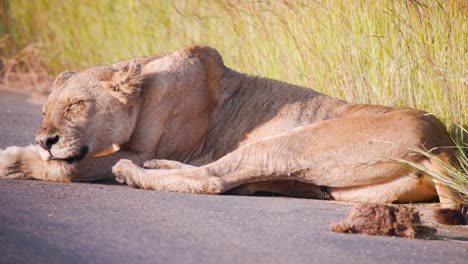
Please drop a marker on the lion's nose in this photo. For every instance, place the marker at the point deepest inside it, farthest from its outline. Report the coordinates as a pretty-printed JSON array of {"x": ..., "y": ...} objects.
[{"x": 48, "y": 142}]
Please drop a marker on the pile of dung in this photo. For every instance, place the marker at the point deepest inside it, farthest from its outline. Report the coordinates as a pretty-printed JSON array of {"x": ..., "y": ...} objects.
[{"x": 384, "y": 220}]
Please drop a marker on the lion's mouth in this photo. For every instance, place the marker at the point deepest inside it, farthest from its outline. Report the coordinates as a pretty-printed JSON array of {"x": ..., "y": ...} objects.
[{"x": 84, "y": 150}]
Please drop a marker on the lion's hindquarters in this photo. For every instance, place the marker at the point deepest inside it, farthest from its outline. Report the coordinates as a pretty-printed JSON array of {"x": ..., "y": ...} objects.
[{"x": 344, "y": 153}]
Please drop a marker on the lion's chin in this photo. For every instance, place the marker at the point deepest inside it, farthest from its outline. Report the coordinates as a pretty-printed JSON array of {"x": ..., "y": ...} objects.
[{"x": 83, "y": 152}]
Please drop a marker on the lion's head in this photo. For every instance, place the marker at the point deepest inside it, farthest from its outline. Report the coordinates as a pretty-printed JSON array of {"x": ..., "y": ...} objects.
[{"x": 89, "y": 111}]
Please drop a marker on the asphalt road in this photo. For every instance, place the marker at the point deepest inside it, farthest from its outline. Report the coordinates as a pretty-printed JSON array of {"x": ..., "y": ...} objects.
[{"x": 47, "y": 222}]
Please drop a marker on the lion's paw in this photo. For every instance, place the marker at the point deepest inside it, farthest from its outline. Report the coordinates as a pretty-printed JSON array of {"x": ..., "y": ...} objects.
[
  {"x": 124, "y": 172},
  {"x": 11, "y": 163}
]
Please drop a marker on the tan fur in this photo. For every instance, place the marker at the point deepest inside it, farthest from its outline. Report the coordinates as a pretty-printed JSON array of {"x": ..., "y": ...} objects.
[{"x": 212, "y": 129}]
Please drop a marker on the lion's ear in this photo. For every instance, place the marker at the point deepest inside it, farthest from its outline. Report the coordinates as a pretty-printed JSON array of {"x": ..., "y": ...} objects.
[
  {"x": 125, "y": 84},
  {"x": 62, "y": 77}
]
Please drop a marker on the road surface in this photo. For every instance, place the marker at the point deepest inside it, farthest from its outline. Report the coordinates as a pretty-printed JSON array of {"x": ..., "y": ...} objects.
[{"x": 47, "y": 222}]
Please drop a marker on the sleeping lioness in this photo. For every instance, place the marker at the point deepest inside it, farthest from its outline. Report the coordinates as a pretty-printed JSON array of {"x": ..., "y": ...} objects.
[{"x": 204, "y": 128}]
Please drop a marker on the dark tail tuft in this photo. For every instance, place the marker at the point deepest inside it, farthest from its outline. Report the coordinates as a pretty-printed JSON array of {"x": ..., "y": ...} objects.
[{"x": 449, "y": 216}]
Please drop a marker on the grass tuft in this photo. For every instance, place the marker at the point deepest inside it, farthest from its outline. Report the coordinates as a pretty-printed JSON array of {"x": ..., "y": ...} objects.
[{"x": 454, "y": 175}]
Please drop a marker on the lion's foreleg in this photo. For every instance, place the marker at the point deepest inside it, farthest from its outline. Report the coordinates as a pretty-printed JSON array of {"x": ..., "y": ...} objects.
[
  {"x": 26, "y": 163},
  {"x": 100, "y": 168},
  {"x": 190, "y": 180},
  {"x": 242, "y": 166}
]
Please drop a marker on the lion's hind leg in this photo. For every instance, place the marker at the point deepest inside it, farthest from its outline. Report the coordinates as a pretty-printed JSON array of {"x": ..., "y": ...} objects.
[
  {"x": 411, "y": 188},
  {"x": 452, "y": 210}
]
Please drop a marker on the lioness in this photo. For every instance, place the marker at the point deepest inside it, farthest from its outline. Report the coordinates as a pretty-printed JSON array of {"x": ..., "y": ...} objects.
[{"x": 205, "y": 128}]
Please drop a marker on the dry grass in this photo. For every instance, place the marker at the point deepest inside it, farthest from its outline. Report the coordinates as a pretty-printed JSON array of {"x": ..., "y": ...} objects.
[
  {"x": 24, "y": 71},
  {"x": 382, "y": 52}
]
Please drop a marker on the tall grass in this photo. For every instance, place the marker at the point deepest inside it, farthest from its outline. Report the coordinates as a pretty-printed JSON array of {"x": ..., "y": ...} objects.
[{"x": 383, "y": 52}]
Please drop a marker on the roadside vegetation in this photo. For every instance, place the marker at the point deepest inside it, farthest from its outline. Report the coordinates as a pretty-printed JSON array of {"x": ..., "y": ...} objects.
[{"x": 390, "y": 52}]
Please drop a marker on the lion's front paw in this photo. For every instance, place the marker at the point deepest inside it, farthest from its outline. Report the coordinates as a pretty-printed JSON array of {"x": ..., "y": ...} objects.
[
  {"x": 12, "y": 164},
  {"x": 125, "y": 172}
]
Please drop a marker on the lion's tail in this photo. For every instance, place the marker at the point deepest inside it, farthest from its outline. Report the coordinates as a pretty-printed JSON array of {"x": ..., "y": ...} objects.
[{"x": 449, "y": 216}]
